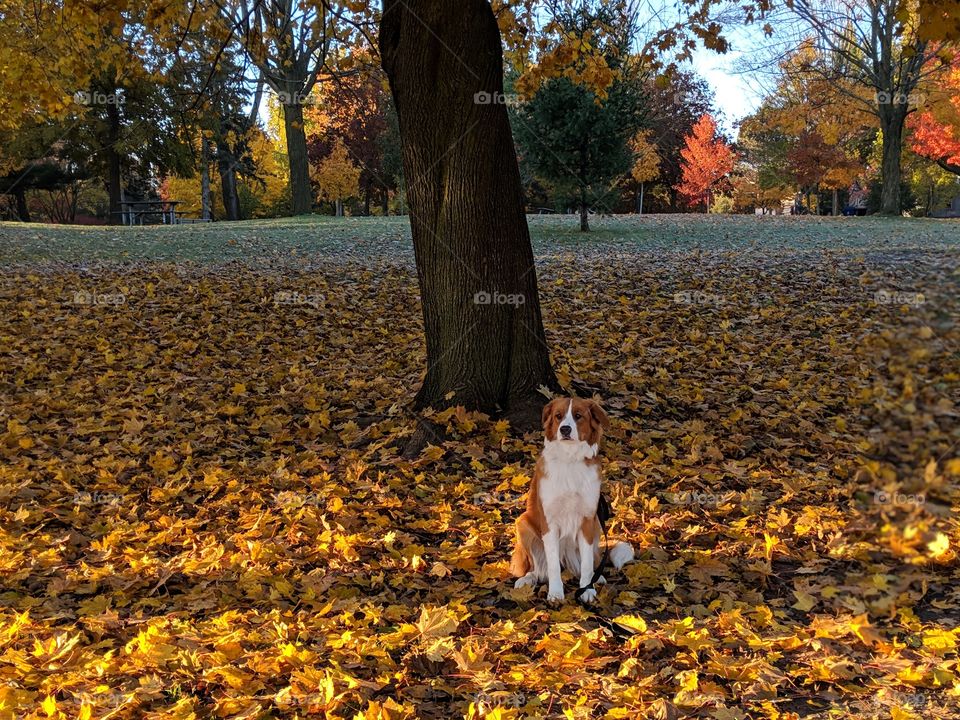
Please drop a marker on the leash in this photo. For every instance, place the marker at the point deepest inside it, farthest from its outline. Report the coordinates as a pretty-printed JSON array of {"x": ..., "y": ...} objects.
[{"x": 604, "y": 513}]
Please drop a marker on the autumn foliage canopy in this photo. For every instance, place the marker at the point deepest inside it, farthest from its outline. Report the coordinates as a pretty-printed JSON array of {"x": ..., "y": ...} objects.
[{"x": 936, "y": 129}]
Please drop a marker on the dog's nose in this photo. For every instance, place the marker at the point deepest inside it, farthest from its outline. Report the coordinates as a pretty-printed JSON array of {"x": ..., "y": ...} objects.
[{"x": 565, "y": 430}]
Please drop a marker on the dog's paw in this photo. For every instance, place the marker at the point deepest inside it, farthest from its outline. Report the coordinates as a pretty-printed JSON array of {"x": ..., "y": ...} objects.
[
  {"x": 555, "y": 596},
  {"x": 588, "y": 596},
  {"x": 527, "y": 580},
  {"x": 601, "y": 581}
]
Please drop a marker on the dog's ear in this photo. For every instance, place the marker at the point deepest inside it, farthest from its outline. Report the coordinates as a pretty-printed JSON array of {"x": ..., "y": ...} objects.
[
  {"x": 599, "y": 416},
  {"x": 547, "y": 412}
]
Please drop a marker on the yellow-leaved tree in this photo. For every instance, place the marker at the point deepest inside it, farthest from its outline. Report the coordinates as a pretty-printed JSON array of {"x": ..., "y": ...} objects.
[
  {"x": 337, "y": 177},
  {"x": 266, "y": 194},
  {"x": 646, "y": 163}
]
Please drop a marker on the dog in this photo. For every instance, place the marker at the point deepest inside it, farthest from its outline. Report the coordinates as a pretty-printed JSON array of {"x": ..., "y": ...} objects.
[{"x": 560, "y": 527}]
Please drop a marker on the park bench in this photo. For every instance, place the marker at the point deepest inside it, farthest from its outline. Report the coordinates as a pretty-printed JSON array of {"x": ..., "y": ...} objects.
[
  {"x": 143, "y": 212},
  {"x": 951, "y": 212}
]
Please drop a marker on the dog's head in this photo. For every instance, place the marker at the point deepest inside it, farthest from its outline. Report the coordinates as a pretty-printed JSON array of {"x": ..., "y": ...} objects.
[{"x": 574, "y": 420}]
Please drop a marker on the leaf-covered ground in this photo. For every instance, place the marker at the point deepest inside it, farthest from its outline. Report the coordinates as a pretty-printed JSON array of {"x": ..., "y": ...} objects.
[{"x": 204, "y": 511}]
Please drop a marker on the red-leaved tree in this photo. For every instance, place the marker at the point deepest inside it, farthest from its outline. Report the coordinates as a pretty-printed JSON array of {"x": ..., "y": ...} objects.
[
  {"x": 936, "y": 130},
  {"x": 707, "y": 160}
]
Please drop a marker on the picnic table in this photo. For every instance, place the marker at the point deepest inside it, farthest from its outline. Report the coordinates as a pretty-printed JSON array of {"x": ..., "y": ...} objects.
[{"x": 133, "y": 212}]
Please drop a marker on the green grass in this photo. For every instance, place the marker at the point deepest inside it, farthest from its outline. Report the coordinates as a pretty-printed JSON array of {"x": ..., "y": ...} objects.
[{"x": 361, "y": 239}]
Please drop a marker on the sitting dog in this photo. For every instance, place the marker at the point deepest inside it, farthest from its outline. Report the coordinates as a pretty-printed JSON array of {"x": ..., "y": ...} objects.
[{"x": 560, "y": 527}]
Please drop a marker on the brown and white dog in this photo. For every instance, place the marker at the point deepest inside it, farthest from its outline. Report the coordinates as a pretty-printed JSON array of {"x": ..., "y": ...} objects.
[{"x": 560, "y": 528}]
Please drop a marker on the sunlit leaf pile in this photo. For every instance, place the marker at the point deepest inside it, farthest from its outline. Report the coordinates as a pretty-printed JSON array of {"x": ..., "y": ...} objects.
[{"x": 204, "y": 509}]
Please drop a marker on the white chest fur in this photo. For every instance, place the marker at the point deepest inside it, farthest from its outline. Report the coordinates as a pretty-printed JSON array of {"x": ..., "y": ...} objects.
[{"x": 569, "y": 487}]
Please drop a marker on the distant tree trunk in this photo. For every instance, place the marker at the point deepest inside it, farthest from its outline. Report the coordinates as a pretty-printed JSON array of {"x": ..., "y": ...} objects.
[
  {"x": 114, "y": 178},
  {"x": 385, "y": 201},
  {"x": 205, "y": 207},
  {"x": 23, "y": 212},
  {"x": 641, "y": 199},
  {"x": 486, "y": 348},
  {"x": 338, "y": 208},
  {"x": 301, "y": 194},
  {"x": 892, "y": 119},
  {"x": 584, "y": 215},
  {"x": 228, "y": 184},
  {"x": 835, "y": 208},
  {"x": 366, "y": 200}
]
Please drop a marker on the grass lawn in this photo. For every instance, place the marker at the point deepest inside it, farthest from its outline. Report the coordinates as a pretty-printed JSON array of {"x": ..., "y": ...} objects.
[{"x": 204, "y": 511}]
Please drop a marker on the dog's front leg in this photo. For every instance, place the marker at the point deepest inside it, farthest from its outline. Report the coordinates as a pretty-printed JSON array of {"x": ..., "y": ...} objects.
[
  {"x": 586, "y": 567},
  {"x": 551, "y": 549}
]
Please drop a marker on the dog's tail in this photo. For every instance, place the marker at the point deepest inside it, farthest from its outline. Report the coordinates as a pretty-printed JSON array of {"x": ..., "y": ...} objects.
[{"x": 620, "y": 554}]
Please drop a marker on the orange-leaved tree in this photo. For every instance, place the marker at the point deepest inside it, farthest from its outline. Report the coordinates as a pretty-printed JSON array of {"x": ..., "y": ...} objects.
[
  {"x": 707, "y": 160},
  {"x": 936, "y": 129}
]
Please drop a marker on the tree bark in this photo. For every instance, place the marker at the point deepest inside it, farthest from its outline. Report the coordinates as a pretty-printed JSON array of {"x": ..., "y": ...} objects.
[
  {"x": 228, "y": 185},
  {"x": 584, "y": 216},
  {"x": 114, "y": 178},
  {"x": 23, "y": 212},
  {"x": 301, "y": 194},
  {"x": 486, "y": 347},
  {"x": 385, "y": 201},
  {"x": 834, "y": 208},
  {"x": 206, "y": 208},
  {"x": 892, "y": 120},
  {"x": 949, "y": 166}
]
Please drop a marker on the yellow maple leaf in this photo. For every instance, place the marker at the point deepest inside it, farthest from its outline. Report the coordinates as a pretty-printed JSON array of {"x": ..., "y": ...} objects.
[{"x": 436, "y": 622}]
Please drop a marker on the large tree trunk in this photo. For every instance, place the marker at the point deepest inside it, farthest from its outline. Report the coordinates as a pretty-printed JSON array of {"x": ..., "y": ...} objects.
[
  {"x": 891, "y": 123},
  {"x": 114, "y": 178},
  {"x": 301, "y": 195},
  {"x": 485, "y": 342}
]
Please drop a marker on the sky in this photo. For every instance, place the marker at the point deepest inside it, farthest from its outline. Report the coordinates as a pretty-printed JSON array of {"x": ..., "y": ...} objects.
[{"x": 738, "y": 93}]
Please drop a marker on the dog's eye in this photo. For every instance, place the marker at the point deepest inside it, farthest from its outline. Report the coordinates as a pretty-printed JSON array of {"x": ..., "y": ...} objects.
[
  {"x": 559, "y": 416},
  {"x": 577, "y": 416}
]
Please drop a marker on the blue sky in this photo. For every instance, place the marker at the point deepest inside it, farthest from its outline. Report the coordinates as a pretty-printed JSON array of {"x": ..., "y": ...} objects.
[{"x": 737, "y": 94}]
